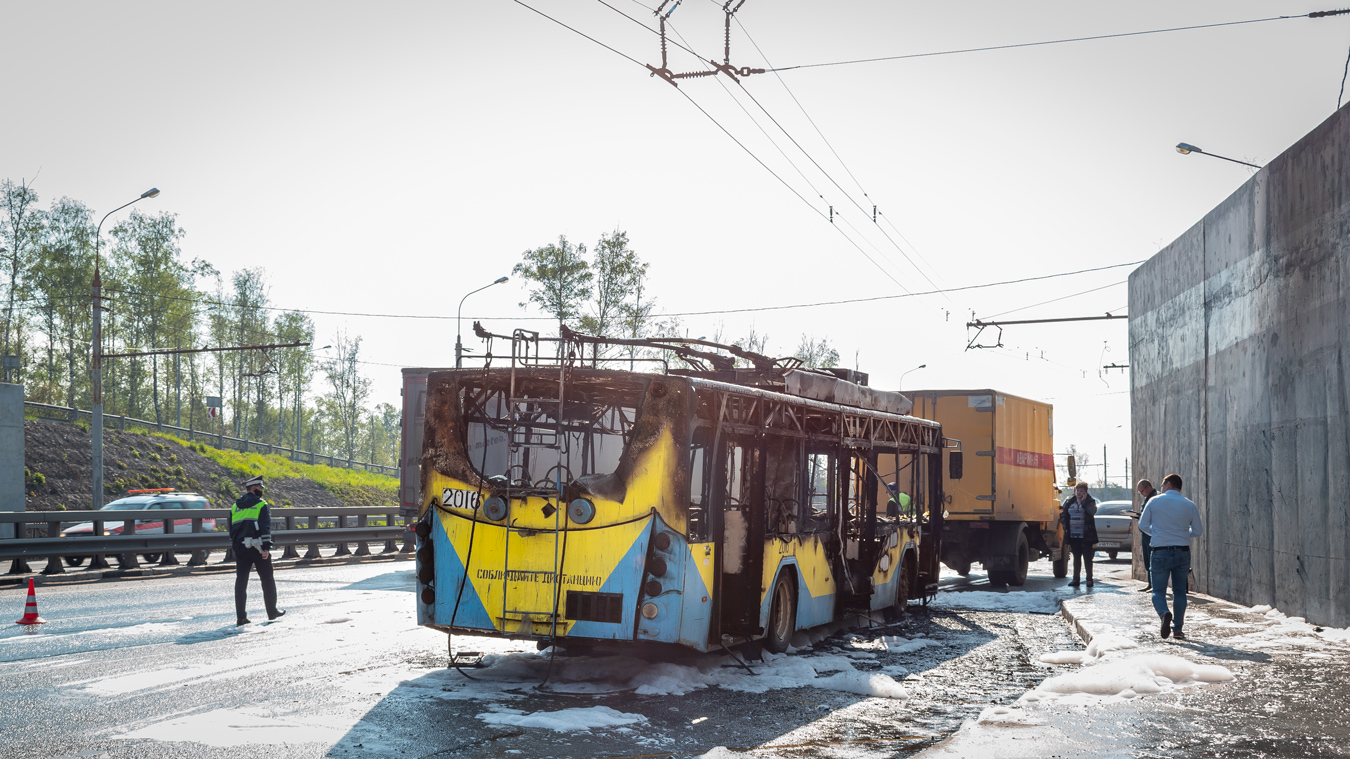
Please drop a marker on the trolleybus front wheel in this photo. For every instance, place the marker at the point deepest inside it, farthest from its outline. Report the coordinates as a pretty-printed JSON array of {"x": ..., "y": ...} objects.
[{"x": 783, "y": 614}]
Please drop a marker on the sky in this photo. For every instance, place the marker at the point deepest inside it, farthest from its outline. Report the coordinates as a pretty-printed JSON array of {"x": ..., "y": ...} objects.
[{"x": 390, "y": 158}]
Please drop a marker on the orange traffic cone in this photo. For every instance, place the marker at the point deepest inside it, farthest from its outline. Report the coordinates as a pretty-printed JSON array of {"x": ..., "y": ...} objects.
[{"x": 30, "y": 615}]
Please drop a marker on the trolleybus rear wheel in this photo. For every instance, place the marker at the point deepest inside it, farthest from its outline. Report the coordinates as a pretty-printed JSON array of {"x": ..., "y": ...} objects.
[{"x": 782, "y": 615}]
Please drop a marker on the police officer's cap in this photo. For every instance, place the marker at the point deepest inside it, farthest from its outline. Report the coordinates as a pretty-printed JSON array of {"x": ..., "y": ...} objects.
[{"x": 254, "y": 481}]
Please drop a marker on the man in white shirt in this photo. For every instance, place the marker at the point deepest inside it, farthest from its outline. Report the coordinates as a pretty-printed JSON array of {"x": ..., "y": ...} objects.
[{"x": 1171, "y": 520}]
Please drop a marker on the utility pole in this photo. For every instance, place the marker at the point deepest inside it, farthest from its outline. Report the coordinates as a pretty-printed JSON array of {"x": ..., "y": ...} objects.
[
  {"x": 96, "y": 359},
  {"x": 178, "y": 382},
  {"x": 1103, "y": 464},
  {"x": 96, "y": 392}
]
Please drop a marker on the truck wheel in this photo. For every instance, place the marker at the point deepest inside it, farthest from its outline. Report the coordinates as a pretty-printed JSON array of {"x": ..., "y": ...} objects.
[
  {"x": 1018, "y": 576},
  {"x": 74, "y": 561},
  {"x": 961, "y": 567},
  {"x": 783, "y": 615},
  {"x": 1112, "y": 554},
  {"x": 999, "y": 578},
  {"x": 150, "y": 558},
  {"x": 1061, "y": 567}
]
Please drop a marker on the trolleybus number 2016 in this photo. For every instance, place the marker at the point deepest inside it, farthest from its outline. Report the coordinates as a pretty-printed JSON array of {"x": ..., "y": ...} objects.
[{"x": 459, "y": 499}]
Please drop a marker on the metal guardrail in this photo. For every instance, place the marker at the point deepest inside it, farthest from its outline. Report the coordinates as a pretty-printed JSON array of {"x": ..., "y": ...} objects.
[
  {"x": 291, "y": 528},
  {"x": 111, "y": 421}
]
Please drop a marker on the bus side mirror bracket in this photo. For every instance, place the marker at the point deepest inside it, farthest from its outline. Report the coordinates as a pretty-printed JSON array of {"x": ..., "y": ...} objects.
[{"x": 954, "y": 465}]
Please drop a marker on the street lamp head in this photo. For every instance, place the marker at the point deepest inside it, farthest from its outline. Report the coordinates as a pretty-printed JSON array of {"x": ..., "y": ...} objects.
[
  {"x": 1186, "y": 149},
  {"x": 153, "y": 192},
  {"x": 501, "y": 280},
  {"x": 921, "y": 366}
]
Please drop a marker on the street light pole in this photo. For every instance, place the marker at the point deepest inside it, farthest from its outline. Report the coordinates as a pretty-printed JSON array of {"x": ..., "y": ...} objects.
[
  {"x": 459, "y": 347},
  {"x": 902, "y": 377},
  {"x": 1185, "y": 149},
  {"x": 96, "y": 361}
]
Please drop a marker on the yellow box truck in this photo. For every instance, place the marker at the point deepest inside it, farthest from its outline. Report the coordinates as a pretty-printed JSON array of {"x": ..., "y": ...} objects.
[{"x": 1004, "y": 511}]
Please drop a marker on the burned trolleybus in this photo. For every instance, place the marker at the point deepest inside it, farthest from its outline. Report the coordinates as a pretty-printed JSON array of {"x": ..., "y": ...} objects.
[{"x": 562, "y": 500}]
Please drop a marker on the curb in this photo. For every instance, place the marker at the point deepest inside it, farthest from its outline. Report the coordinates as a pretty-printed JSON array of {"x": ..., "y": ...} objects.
[
  {"x": 1074, "y": 622},
  {"x": 72, "y": 577},
  {"x": 1086, "y": 636}
]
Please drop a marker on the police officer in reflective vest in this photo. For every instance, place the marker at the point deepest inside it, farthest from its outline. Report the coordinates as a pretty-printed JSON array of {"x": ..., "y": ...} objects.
[{"x": 251, "y": 538}]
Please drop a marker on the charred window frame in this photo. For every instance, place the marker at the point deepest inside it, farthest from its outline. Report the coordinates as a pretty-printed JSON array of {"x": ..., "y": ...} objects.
[
  {"x": 522, "y": 438},
  {"x": 700, "y": 484},
  {"x": 782, "y": 485},
  {"x": 820, "y": 490}
]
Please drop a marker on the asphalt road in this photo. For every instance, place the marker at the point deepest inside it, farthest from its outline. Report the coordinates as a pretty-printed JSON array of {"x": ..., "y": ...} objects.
[{"x": 156, "y": 668}]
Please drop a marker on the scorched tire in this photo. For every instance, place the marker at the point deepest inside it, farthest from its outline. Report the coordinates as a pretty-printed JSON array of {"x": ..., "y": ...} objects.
[{"x": 782, "y": 614}]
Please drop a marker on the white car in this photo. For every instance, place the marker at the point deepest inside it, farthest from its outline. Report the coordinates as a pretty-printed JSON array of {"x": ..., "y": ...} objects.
[
  {"x": 1115, "y": 527},
  {"x": 144, "y": 500}
]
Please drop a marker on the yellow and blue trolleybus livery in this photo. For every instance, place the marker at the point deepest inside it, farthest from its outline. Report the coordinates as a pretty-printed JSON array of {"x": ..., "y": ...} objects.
[{"x": 692, "y": 507}]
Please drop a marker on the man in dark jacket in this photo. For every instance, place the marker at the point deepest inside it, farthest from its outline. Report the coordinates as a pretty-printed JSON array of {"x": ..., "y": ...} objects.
[
  {"x": 1146, "y": 492},
  {"x": 251, "y": 539},
  {"x": 1080, "y": 529}
]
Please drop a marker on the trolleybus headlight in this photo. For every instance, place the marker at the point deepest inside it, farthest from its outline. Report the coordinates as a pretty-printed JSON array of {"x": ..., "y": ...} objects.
[
  {"x": 423, "y": 529},
  {"x": 662, "y": 541},
  {"x": 649, "y": 611},
  {"x": 427, "y": 572},
  {"x": 657, "y": 567},
  {"x": 652, "y": 588},
  {"x": 580, "y": 511},
  {"x": 494, "y": 508},
  {"x": 428, "y": 596}
]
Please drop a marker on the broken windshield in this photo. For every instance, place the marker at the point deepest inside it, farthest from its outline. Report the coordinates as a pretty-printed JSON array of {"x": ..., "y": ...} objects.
[{"x": 524, "y": 439}]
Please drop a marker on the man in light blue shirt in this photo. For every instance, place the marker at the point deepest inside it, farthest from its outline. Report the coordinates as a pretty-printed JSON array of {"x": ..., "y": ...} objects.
[{"x": 1171, "y": 520}]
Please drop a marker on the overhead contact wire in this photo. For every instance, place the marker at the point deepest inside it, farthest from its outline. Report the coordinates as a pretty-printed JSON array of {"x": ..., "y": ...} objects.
[{"x": 1318, "y": 14}]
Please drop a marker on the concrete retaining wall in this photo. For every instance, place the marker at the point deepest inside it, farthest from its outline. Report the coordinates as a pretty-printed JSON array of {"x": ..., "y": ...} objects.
[
  {"x": 1239, "y": 356},
  {"x": 12, "y": 494}
]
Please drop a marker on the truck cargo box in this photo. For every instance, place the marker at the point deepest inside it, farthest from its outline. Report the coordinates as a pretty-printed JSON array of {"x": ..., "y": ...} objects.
[{"x": 1009, "y": 453}]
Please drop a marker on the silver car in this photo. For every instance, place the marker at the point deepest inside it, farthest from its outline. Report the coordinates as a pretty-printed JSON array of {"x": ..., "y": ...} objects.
[{"x": 1115, "y": 527}]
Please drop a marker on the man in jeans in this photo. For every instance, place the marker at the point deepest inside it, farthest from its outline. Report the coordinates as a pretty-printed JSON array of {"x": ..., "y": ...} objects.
[{"x": 1171, "y": 520}]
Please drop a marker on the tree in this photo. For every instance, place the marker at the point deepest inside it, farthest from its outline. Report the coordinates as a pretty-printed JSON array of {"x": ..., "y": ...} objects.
[
  {"x": 61, "y": 278},
  {"x": 349, "y": 392},
  {"x": 560, "y": 279},
  {"x": 817, "y": 354},
  {"x": 619, "y": 276},
  {"x": 295, "y": 370},
  {"x": 156, "y": 292},
  {"x": 249, "y": 326},
  {"x": 19, "y": 230},
  {"x": 1081, "y": 461}
]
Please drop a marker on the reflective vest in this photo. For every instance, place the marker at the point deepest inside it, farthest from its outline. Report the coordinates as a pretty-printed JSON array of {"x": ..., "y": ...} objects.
[{"x": 251, "y": 513}]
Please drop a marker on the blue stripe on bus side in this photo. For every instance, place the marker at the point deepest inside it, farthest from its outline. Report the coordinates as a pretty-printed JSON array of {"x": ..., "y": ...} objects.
[
  {"x": 883, "y": 595},
  {"x": 696, "y": 615},
  {"x": 449, "y": 574},
  {"x": 811, "y": 610},
  {"x": 625, "y": 579},
  {"x": 666, "y": 627}
]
